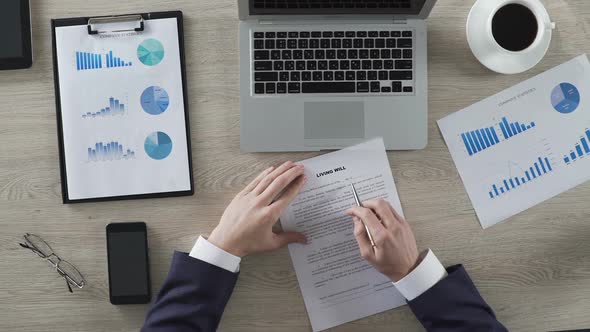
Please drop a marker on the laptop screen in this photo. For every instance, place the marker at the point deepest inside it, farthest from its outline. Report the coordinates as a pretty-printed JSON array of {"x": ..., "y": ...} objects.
[{"x": 335, "y": 7}]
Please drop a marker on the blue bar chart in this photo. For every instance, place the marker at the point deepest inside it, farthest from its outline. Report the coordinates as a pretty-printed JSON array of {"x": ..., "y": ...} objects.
[
  {"x": 113, "y": 61},
  {"x": 478, "y": 140},
  {"x": 541, "y": 167},
  {"x": 110, "y": 151},
  {"x": 115, "y": 108},
  {"x": 580, "y": 150},
  {"x": 510, "y": 129},
  {"x": 87, "y": 61}
]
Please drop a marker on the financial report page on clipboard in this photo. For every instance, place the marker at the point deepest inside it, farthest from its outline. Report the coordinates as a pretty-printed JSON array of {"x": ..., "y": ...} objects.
[{"x": 123, "y": 116}]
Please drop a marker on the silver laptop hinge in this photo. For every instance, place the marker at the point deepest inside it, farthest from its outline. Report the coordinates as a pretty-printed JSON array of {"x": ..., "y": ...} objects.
[{"x": 333, "y": 20}]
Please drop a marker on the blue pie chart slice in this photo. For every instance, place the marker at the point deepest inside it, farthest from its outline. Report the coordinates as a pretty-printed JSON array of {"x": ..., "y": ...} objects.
[
  {"x": 158, "y": 145},
  {"x": 565, "y": 98},
  {"x": 154, "y": 100}
]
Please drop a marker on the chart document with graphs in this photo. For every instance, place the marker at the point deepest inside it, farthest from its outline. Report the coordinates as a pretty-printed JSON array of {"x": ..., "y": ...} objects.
[
  {"x": 524, "y": 145},
  {"x": 123, "y": 118}
]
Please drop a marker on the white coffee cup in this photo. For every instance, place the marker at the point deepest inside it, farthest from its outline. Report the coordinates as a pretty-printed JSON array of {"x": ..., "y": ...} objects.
[{"x": 489, "y": 52}]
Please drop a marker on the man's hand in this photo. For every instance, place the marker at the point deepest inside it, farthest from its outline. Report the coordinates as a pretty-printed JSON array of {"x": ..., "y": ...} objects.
[
  {"x": 246, "y": 225},
  {"x": 395, "y": 253}
]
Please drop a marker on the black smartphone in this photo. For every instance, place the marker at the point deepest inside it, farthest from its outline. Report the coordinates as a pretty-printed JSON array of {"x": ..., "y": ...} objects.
[
  {"x": 129, "y": 271},
  {"x": 15, "y": 34}
]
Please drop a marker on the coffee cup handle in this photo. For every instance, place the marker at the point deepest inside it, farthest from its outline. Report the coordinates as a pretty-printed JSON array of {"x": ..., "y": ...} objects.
[{"x": 550, "y": 25}]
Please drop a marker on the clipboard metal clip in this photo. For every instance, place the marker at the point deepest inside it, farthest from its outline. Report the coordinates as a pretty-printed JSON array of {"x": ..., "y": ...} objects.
[{"x": 120, "y": 23}]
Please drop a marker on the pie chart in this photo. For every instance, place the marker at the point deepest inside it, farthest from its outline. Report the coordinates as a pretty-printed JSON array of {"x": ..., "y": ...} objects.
[
  {"x": 158, "y": 145},
  {"x": 154, "y": 100},
  {"x": 565, "y": 98},
  {"x": 150, "y": 52}
]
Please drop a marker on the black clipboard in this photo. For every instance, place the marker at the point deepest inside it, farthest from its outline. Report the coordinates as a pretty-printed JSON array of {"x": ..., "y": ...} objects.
[{"x": 141, "y": 20}]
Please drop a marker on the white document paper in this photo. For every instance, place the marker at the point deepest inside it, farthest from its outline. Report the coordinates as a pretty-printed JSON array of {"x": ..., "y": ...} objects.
[
  {"x": 337, "y": 284},
  {"x": 524, "y": 145},
  {"x": 114, "y": 102}
]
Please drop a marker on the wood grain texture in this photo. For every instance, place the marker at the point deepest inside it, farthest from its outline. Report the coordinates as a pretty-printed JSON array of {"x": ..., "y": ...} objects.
[{"x": 534, "y": 270}]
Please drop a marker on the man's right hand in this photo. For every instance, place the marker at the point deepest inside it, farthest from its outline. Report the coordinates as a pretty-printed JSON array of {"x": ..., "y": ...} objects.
[
  {"x": 395, "y": 253},
  {"x": 246, "y": 225}
]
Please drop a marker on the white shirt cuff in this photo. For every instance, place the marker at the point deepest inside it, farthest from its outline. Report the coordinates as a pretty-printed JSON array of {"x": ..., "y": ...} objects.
[
  {"x": 427, "y": 274},
  {"x": 208, "y": 252}
]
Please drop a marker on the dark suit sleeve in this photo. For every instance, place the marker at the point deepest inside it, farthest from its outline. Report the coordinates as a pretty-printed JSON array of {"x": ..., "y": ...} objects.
[
  {"x": 454, "y": 304},
  {"x": 192, "y": 298}
]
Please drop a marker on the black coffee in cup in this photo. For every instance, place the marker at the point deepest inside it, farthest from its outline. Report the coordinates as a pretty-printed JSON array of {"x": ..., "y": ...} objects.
[{"x": 515, "y": 27}]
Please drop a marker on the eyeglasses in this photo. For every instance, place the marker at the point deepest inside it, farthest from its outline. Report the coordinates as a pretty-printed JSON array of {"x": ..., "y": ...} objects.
[{"x": 64, "y": 268}]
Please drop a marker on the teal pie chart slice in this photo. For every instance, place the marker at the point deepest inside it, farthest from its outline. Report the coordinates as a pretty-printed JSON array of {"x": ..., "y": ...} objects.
[
  {"x": 155, "y": 100},
  {"x": 158, "y": 145},
  {"x": 150, "y": 52}
]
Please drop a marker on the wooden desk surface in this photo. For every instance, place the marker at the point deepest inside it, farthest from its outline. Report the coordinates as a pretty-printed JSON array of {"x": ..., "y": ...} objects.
[{"x": 533, "y": 270}]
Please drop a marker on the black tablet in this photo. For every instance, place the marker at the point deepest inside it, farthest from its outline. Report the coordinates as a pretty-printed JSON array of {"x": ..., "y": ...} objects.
[{"x": 15, "y": 35}]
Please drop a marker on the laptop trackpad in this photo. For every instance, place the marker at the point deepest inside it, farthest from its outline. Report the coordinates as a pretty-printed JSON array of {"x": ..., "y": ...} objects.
[{"x": 334, "y": 120}]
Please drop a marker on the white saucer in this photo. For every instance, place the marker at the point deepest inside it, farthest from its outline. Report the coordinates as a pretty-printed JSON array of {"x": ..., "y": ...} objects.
[{"x": 490, "y": 54}]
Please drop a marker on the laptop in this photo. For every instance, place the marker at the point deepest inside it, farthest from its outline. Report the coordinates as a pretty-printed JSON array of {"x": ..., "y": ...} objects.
[{"x": 326, "y": 74}]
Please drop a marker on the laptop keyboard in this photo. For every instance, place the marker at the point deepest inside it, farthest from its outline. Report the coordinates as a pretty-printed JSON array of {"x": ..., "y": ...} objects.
[{"x": 354, "y": 62}]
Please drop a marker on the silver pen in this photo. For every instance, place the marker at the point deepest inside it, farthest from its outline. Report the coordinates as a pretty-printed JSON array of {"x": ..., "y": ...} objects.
[{"x": 358, "y": 203}]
